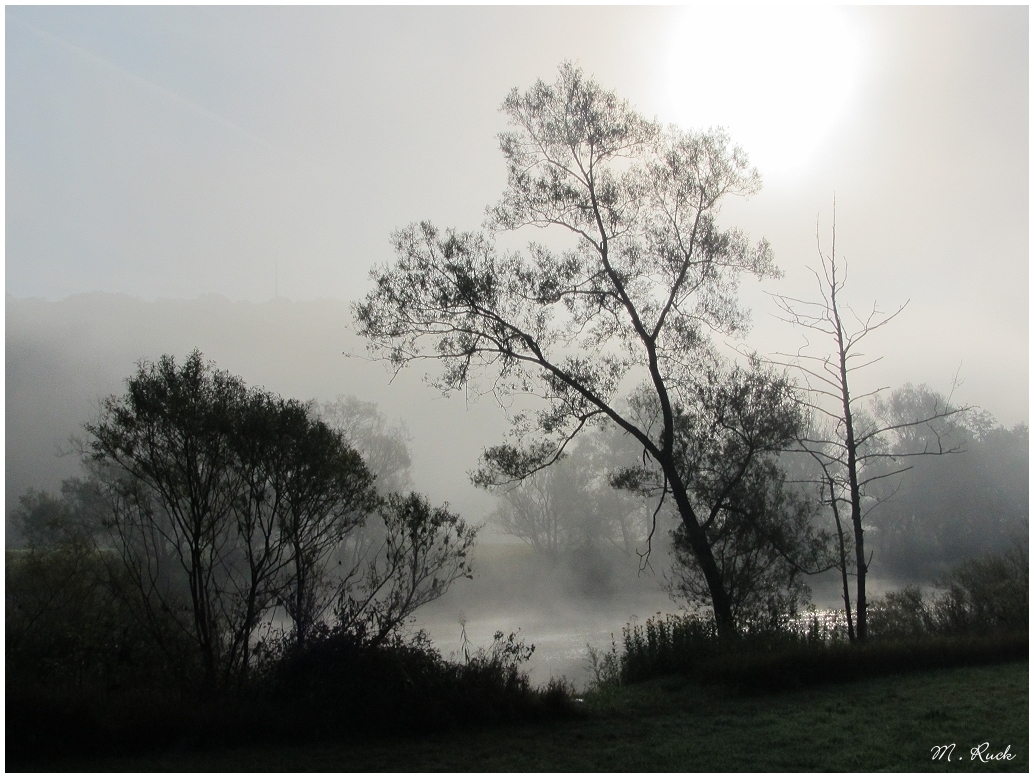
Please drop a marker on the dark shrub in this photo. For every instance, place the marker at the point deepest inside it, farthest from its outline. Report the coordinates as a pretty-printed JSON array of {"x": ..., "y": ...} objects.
[
  {"x": 684, "y": 644},
  {"x": 980, "y": 596},
  {"x": 900, "y": 615},
  {"x": 674, "y": 644},
  {"x": 336, "y": 684},
  {"x": 71, "y": 623},
  {"x": 333, "y": 688},
  {"x": 989, "y": 593},
  {"x": 805, "y": 652}
]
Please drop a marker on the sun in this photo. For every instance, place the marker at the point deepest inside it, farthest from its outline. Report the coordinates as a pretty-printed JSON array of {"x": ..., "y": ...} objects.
[{"x": 778, "y": 79}]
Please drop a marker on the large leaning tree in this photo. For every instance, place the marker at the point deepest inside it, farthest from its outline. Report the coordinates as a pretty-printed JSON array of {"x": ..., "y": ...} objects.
[
  {"x": 729, "y": 433},
  {"x": 647, "y": 278}
]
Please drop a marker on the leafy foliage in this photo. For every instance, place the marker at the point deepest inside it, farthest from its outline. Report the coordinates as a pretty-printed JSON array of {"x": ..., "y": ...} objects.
[
  {"x": 760, "y": 529},
  {"x": 335, "y": 687},
  {"x": 425, "y": 549},
  {"x": 948, "y": 509},
  {"x": 338, "y": 684},
  {"x": 989, "y": 593},
  {"x": 144, "y": 606},
  {"x": 605, "y": 666},
  {"x": 224, "y": 502},
  {"x": 42, "y": 520},
  {"x": 763, "y": 543},
  {"x": 901, "y": 615},
  {"x": 382, "y": 445},
  {"x": 980, "y": 616},
  {"x": 649, "y": 277},
  {"x": 797, "y": 654},
  {"x": 227, "y": 504},
  {"x": 68, "y": 624}
]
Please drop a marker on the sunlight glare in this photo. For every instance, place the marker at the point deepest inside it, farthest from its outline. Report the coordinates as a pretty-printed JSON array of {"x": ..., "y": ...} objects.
[{"x": 779, "y": 79}]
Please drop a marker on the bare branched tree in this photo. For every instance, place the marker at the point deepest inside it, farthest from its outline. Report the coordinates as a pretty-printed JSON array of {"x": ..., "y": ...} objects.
[
  {"x": 849, "y": 439},
  {"x": 529, "y": 511}
]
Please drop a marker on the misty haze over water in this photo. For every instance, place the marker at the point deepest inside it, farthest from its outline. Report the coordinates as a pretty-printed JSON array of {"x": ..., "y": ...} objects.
[
  {"x": 62, "y": 357},
  {"x": 169, "y": 170}
]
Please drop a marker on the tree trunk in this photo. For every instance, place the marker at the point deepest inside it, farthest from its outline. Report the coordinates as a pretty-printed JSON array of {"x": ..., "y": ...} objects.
[
  {"x": 860, "y": 604},
  {"x": 851, "y": 446},
  {"x": 843, "y": 560},
  {"x": 720, "y": 600},
  {"x": 856, "y": 502}
]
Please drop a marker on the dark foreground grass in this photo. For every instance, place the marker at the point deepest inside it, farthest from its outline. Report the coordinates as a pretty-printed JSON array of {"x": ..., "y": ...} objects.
[{"x": 671, "y": 724}]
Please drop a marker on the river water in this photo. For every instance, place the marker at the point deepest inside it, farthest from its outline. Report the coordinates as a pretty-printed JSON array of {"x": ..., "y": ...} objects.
[
  {"x": 562, "y": 619},
  {"x": 560, "y": 634}
]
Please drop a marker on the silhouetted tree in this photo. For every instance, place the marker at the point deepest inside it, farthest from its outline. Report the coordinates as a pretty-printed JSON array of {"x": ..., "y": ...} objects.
[
  {"x": 43, "y": 521},
  {"x": 176, "y": 490},
  {"x": 407, "y": 553},
  {"x": 224, "y": 496},
  {"x": 848, "y": 442},
  {"x": 649, "y": 277},
  {"x": 425, "y": 550},
  {"x": 729, "y": 433},
  {"x": 305, "y": 490}
]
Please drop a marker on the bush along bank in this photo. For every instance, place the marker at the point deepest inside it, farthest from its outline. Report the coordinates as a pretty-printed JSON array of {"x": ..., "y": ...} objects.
[
  {"x": 980, "y": 617},
  {"x": 333, "y": 688}
]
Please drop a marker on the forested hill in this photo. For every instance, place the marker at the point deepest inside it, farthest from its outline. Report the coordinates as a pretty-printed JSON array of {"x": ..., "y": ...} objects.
[{"x": 63, "y": 356}]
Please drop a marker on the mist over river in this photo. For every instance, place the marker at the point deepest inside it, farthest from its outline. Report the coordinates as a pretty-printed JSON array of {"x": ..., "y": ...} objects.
[
  {"x": 560, "y": 614},
  {"x": 560, "y": 633}
]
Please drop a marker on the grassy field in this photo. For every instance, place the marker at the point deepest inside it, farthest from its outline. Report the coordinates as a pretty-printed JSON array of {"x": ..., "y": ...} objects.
[{"x": 884, "y": 724}]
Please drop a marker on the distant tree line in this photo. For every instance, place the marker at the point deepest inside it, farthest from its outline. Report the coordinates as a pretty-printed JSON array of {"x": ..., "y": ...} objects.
[
  {"x": 574, "y": 521},
  {"x": 934, "y": 514},
  {"x": 946, "y": 510}
]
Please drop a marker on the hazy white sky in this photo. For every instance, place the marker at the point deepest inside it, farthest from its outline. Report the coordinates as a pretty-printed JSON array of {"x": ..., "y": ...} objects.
[{"x": 174, "y": 152}]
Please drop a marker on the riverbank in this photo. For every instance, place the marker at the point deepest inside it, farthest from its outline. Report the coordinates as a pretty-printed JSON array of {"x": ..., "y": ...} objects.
[
  {"x": 562, "y": 613},
  {"x": 892, "y": 723}
]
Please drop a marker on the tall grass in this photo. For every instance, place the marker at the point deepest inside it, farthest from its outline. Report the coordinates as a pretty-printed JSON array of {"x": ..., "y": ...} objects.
[
  {"x": 804, "y": 653},
  {"x": 980, "y": 616},
  {"x": 668, "y": 644}
]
